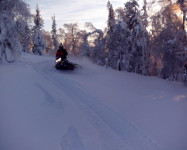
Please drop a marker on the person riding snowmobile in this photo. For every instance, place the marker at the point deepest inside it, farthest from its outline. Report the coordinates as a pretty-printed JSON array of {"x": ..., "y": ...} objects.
[
  {"x": 61, "y": 60},
  {"x": 61, "y": 53}
]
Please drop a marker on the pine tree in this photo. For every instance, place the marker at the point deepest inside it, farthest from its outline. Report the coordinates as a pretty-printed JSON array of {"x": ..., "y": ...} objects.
[
  {"x": 144, "y": 16},
  {"x": 38, "y": 21},
  {"x": 146, "y": 53},
  {"x": 123, "y": 44},
  {"x": 54, "y": 34},
  {"x": 139, "y": 41},
  {"x": 110, "y": 37},
  {"x": 111, "y": 17},
  {"x": 38, "y": 39}
]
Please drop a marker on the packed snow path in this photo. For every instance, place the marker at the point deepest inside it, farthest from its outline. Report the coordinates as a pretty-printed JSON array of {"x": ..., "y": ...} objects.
[{"x": 88, "y": 109}]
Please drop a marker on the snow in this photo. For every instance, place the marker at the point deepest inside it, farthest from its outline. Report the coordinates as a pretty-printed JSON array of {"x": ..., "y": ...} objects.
[{"x": 91, "y": 108}]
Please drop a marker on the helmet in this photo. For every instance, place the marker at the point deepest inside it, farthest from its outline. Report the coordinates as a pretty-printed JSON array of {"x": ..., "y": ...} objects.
[{"x": 61, "y": 45}]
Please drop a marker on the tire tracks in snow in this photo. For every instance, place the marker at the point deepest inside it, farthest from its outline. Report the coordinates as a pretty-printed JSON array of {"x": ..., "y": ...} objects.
[
  {"x": 71, "y": 140},
  {"x": 116, "y": 132}
]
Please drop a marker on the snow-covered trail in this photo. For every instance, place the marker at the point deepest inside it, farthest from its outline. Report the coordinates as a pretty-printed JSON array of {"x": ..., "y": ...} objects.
[
  {"x": 115, "y": 132},
  {"x": 42, "y": 108}
]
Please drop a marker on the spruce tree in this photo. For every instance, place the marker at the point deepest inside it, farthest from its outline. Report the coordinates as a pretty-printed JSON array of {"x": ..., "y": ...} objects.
[
  {"x": 123, "y": 44},
  {"x": 144, "y": 16},
  {"x": 138, "y": 58},
  {"x": 146, "y": 53},
  {"x": 110, "y": 44},
  {"x": 54, "y": 34},
  {"x": 38, "y": 20},
  {"x": 38, "y": 39}
]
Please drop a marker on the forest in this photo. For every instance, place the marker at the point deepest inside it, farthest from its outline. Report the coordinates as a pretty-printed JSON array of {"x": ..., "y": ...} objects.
[{"x": 136, "y": 39}]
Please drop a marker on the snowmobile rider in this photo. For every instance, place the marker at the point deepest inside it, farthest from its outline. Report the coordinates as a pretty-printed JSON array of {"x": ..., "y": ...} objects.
[{"x": 61, "y": 53}]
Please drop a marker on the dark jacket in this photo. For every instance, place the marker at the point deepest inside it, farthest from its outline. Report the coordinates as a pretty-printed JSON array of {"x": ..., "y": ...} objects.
[{"x": 61, "y": 53}]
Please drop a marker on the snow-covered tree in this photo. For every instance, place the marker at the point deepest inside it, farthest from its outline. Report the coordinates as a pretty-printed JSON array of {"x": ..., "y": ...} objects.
[
  {"x": 111, "y": 17},
  {"x": 38, "y": 20},
  {"x": 25, "y": 33},
  {"x": 48, "y": 42},
  {"x": 61, "y": 35},
  {"x": 110, "y": 37},
  {"x": 120, "y": 14},
  {"x": 123, "y": 42},
  {"x": 145, "y": 16},
  {"x": 168, "y": 40},
  {"x": 37, "y": 38},
  {"x": 146, "y": 53},
  {"x": 10, "y": 11},
  {"x": 85, "y": 49},
  {"x": 38, "y": 42},
  {"x": 139, "y": 59},
  {"x": 54, "y": 34},
  {"x": 71, "y": 37},
  {"x": 93, "y": 48},
  {"x": 98, "y": 49},
  {"x": 171, "y": 64},
  {"x": 123, "y": 46}
]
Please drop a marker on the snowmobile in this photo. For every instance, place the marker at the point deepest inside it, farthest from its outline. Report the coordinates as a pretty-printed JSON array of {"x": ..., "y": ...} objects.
[{"x": 64, "y": 64}]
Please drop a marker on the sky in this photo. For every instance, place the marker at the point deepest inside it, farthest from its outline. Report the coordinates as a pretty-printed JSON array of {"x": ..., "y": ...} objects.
[{"x": 71, "y": 11}]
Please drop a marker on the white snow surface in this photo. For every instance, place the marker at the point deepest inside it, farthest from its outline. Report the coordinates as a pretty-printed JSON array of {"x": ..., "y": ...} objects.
[{"x": 91, "y": 108}]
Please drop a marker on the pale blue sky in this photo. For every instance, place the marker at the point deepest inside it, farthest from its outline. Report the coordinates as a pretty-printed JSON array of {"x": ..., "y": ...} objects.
[{"x": 67, "y": 11}]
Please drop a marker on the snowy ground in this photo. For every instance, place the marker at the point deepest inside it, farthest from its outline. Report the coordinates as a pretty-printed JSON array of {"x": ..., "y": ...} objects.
[{"x": 91, "y": 108}]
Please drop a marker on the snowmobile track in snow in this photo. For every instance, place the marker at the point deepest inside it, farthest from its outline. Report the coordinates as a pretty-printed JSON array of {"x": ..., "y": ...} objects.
[{"x": 110, "y": 125}]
